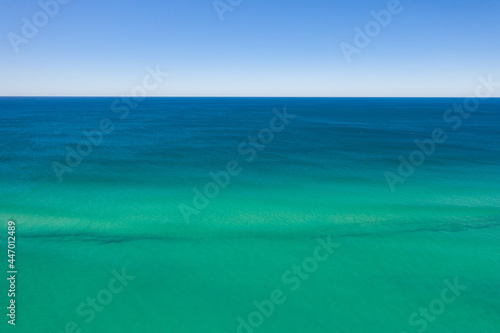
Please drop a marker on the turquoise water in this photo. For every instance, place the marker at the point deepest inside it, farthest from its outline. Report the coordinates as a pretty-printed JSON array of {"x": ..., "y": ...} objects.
[{"x": 321, "y": 176}]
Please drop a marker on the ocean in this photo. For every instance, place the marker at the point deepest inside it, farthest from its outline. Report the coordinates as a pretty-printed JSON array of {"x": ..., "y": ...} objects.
[{"x": 252, "y": 214}]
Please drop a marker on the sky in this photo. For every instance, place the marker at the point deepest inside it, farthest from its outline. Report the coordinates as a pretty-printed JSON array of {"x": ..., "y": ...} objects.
[{"x": 418, "y": 48}]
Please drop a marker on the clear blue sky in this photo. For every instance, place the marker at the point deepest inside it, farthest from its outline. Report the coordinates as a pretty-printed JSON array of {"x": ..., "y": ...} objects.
[{"x": 262, "y": 48}]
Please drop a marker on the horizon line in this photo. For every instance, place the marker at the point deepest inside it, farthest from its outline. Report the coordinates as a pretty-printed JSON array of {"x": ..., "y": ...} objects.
[{"x": 111, "y": 96}]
